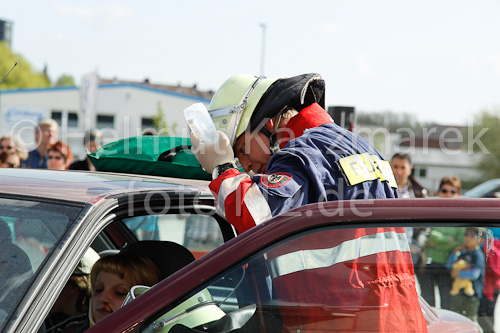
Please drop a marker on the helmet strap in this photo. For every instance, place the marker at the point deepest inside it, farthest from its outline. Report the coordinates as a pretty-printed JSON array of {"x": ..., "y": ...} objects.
[{"x": 273, "y": 143}]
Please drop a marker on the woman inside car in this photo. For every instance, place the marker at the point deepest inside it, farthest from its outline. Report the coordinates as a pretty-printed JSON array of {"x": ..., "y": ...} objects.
[{"x": 111, "y": 278}]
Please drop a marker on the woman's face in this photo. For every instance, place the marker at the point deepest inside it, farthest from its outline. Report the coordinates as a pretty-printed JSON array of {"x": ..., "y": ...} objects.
[
  {"x": 56, "y": 161},
  {"x": 448, "y": 191},
  {"x": 7, "y": 145},
  {"x": 109, "y": 293}
]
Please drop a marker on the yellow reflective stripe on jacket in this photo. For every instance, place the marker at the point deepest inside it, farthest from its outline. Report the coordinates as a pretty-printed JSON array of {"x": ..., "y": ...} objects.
[
  {"x": 346, "y": 251},
  {"x": 364, "y": 167}
]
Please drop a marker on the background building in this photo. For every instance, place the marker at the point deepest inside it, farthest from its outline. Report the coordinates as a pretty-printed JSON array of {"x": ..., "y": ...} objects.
[{"x": 122, "y": 109}]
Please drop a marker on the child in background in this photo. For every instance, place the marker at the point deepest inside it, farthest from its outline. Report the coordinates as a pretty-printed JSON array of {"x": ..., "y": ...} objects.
[{"x": 471, "y": 253}]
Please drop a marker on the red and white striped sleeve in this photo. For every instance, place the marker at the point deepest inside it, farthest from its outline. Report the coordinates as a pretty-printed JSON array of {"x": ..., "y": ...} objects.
[{"x": 240, "y": 200}]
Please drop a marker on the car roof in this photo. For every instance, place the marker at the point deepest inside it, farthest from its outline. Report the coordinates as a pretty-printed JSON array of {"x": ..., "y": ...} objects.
[{"x": 87, "y": 186}]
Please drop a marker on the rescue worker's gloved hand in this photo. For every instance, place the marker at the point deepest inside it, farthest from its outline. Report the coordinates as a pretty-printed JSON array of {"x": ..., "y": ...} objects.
[{"x": 210, "y": 155}]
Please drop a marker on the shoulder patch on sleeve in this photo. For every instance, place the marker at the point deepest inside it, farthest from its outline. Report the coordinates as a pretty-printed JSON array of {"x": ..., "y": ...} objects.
[{"x": 276, "y": 179}]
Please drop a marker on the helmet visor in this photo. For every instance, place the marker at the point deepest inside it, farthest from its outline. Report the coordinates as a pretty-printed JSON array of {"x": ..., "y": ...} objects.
[{"x": 227, "y": 119}]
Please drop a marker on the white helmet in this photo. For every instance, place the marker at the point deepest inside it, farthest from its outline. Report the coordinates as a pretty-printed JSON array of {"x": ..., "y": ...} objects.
[
  {"x": 244, "y": 101},
  {"x": 235, "y": 101}
]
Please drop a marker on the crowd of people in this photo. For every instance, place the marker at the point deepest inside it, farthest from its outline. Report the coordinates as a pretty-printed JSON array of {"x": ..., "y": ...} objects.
[
  {"x": 452, "y": 260},
  {"x": 50, "y": 153}
]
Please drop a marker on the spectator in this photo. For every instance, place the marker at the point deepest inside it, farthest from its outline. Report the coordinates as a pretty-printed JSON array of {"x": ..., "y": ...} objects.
[
  {"x": 408, "y": 187},
  {"x": 464, "y": 303},
  {"x": 59, "y": 156},
  {"x": 441, "y": 242},
  {"x": 13, "y": 143},
  {"x": 9, "y": 159},
  {"x": 45, "y": 136},
  {"x": 149, "y": 131},
  {"x": 91, "y": 142}
]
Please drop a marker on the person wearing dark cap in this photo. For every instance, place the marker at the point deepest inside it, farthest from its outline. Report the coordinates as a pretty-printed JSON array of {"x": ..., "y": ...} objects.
[
  {"x": 91, "y": 142},
  {"x": 295, "y": 155}
]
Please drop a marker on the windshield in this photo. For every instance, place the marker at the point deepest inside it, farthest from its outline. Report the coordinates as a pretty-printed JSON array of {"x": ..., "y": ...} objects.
[{"x": 28, "y": 232}]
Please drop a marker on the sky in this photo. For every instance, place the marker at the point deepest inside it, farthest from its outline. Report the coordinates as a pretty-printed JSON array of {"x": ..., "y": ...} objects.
[{"x": 436, "y": 59}]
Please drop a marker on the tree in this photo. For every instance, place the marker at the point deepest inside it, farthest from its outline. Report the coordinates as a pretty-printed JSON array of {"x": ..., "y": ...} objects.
[
  {"x": 65, "y": 80},
  {"x": 484, "y": 139},
  {"x": 390, "y": 120},
  {"x": 23, "y": 76},
  {"x": 161, "y": 124}
]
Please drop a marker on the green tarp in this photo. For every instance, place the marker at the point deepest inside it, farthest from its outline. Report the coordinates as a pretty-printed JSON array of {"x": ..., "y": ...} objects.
[{"x": 150, "y": 155}]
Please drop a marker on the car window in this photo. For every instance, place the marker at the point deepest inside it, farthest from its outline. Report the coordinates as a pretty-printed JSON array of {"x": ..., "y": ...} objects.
[
  {"x": 198, "y": 233},
  {"x": 288, "y": 286},
  {"x": 29, "y": 231}
]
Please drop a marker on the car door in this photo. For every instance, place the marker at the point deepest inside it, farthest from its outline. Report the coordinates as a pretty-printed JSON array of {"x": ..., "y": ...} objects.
[{"x": 240, "y": 277}]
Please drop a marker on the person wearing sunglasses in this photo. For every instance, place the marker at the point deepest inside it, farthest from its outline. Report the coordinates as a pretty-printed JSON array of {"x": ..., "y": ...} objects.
[
  {"x": 13, "y": 143},
  {"x": 466, "y": 301},
  {"x": 450, "y": 187},
  {"x": 59, "y": 156},
  {"x": 294, "y": 154},
  {"x": 441, "y": 242}
]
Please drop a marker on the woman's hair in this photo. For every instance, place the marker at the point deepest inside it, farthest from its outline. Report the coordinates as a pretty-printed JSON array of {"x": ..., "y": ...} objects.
[
  {"x": 21, "y": 150},
  {"x": 133, "y": 269},
  {"x": 82, "y": 283},
  {"x": 63, "y": 149},
  {"x": 453, "y": 181}
]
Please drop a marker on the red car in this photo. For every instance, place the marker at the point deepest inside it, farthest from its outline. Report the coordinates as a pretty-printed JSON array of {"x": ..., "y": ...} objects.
[
  {"x": 231, "y": 286},
  {"x": 54, "y": 216}
]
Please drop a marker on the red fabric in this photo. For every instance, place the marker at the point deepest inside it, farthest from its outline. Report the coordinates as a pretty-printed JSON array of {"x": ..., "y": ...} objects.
[
  {"x": 236, "y": 211},
  {"x": 373, "y": 293},
  {"x": 492, "y": 269},
  {"x": 312, "y": 116}
]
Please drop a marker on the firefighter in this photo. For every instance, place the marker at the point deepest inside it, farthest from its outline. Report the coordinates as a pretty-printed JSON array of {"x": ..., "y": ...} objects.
[{"x": 294, "y": 154}]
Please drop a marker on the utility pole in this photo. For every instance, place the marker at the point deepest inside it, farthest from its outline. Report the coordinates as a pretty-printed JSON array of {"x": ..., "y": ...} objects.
[{"x": 263, "y": 48}]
